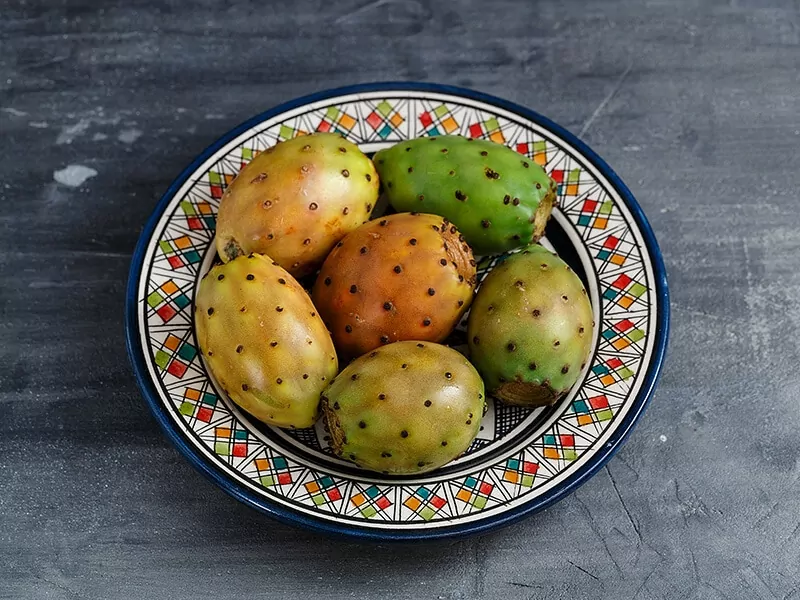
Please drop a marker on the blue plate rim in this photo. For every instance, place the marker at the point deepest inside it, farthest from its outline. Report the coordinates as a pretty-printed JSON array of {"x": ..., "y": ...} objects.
[{"x": 274, "y": 510}]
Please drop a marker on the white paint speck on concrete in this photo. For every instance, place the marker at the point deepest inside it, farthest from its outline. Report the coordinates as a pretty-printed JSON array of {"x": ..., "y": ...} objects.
[
  {"x": 663, "y": 438},
  {"x": 73, "y": 175},
  {"x": 128, "y": 136},
  {"x": 38, "y": 124},
  {"x": 14, "y": 112},
  {"x": 70, "y": 132},
  {"x": 99, "y": 137}
]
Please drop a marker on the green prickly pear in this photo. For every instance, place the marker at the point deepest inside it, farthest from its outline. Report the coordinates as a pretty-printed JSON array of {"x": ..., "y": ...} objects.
[
  {"x": 497, "y": 198},
  {"x": 408, "y": 407},
  {"x": 407, "y": 276},
  {"x": 263, "y": 340},
  {"x": 295, "y": 200},
  {"x": 530, "y": 328}
]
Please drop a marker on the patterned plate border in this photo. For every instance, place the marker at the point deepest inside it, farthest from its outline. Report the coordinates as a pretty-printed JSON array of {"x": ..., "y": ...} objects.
[{"x": 536, "y": 473}]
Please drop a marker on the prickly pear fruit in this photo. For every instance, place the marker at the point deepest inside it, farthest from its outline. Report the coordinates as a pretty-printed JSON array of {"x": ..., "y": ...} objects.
[
  {"x": 407, "y": 276},
  {"x": 295, "y": 200},
  {"x": 498, "y": 198},
  {"x": 409, "y": 407},
  {"x": 530, "y": 328},
  {"x": 263, "y": 340}
]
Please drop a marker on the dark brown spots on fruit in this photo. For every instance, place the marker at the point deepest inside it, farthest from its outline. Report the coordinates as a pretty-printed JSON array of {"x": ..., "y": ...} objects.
[
  {"x": 245, "y": 387},
  {"x": 491, "y": 174},
  {"x": 511, "y": 346},
  {"x": 373, "y": 354},
  {"x": 354, "y": 376},
  {"x": 448, "y": 375},
  {"x": 368, "y": 177},
  {"x": 210, "y": 311},
  {"x": 259, "y": 177},
  {"x": 469, "y": 421},
  {"x": 304, "y": 168},
  {"x": 443, "y": 262},
  {"x": 369, "y": 208},
  {"x": 516, "y": 238},
  {"x": 486, "y": 224},
  {"x": 460, "y": 277},
  {"x": 410, "y": 169},
  {"x": 506, "y": 199},
  {"x": 460, "y": 303},
  {"x": 538, "y": 186},
  {"x": 398, "y": 269},
  {"x": 593, "y": 323},
  {"x": 565, "y": 369},
  {"x": 413, "y": 241},
  {"x": 386, "y": 454},
  {"x": 250, "y": 277},
  {"x": 431, "y": 292},
  {"x": 352, "y": 456},
  {"x": 443, "y": 151},
  {"x": 452, "y": 173},
  {"x": 421, "y": 197},
  {"x": 484, "y": 153},
  {"x": 519, "y": 283},
  {"x": 381, "y": 396},
  {"x": 428, "y": 403},
  {"x": 404, "y": 434},
  {"x": 583, "y": 291},
  {"x": 404, "y": 366},
  {"x": 307, "y": 147},
  {"x": 313, "y": 206},
  {"x": 282, "y": 281},
  {"x": 461, "y": 196},
  {"x": 581, "y": 330},
  {"x": 384, "y": 339},
  {"x": 348, "y": 328},
  {"x": 389, "y": 184},
  {"x": 544, "y": 266},
  {"x": 426, "y": 322},
  {"x": 327, "y": 281},
  {"x": 345, "y": 173},
  {"x": 220, "y": 277},
  {"x": 532, "y": 366},
  {"x": 342, "y": 149},
  {"x": 408, "y": 148},
  {"x": 583, "y": 365},
  {"x": 536, "y": 312},
  {"x": 435, "y": 227},
  {"x": 345, "y": 210},
  {"x": 210, "y": 353},
  {"x": 362, "y": 424},
  {"x": 490, "y": 308},
  {"x": 515, "y": 202},
  {"x": 556, "y": 343},
  {"x": 336, "y": 406},
  {"x": 239, "y": 349},
  {"x": 387, "y": 306},
  {"x": 525, "y": 164},
  {"x": 279, "y": 381},
  {"x": 354, "y": 289},
  {"x": 476, "y": 340},
  {"x": 306, "y": 241},
  {"x": 305, "y": 375},
  {"x": 363, "y": 250},
  {"x": 565, "y": 298},
  {"x": 501, "y": 379},
  {"x": 444, "y": 443},
  {"x": 420, "y": 345},
  {"x": 382, "y": 222}
]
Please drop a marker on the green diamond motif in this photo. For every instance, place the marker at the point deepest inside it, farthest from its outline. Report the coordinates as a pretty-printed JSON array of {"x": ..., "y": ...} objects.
[
  {"x": 369, "y": 511},
  {"x": 604, "y": 415},
  {"x": 155, "y": 299},
  {"x": 637, "y": 289},
  {"x": 479, "y": 502},
  {"x": 333, "y": 113},
  {"x": 384, "y": 108},
  {"x": 268, "y": 481},
  {"x": 605, "y": 208},
  {"x": 286, "y": 132},
  {"x": 491, "y": 124},
  {"x": 162, "y": 359},
  {"x": 441, "y": 111},
  {"x": 636, "y": 335},
  {"x": 427, "y": 513},
  {"x": 166, "y": 248},
  {"x": 187, "y": 408},
  {"x": 221, "y": 448}
]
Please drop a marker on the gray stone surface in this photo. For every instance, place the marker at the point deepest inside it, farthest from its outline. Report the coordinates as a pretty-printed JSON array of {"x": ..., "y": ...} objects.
[{"x": 696, "y": 104}]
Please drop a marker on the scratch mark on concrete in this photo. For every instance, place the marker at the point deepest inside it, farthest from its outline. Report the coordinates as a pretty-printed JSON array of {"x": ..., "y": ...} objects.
[
  {"x": 14, "y": 112},
  {"x": 631, "y": 520},
  {"x": 361, "y": 9},
  {"x": 582, "y": 570},
  {"x": 596, "y": 531},
  {"x": 609, "y": 97}
]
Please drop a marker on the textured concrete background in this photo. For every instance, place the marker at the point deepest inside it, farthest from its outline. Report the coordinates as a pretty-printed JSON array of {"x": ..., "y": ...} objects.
[{"x": 695, "y": 104}]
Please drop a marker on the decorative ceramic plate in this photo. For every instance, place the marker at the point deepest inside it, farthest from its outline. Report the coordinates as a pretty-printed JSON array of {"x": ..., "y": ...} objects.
[{"x": 523, "y": 460}]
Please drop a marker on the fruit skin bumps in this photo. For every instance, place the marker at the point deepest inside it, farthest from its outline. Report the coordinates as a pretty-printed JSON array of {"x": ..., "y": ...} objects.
[
  {"x": 530, "y": 329},
  {"x": 407, "y": 276},
  {"x": 498, "y": 198},
  {"x": 264, "y": 341},
  {"x": 406, "y": 408},
  {"x": 295, "y": 200}
]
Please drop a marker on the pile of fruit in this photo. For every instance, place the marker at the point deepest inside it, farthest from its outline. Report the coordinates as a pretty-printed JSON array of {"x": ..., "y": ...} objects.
[{"x": 387, "y": 292}]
